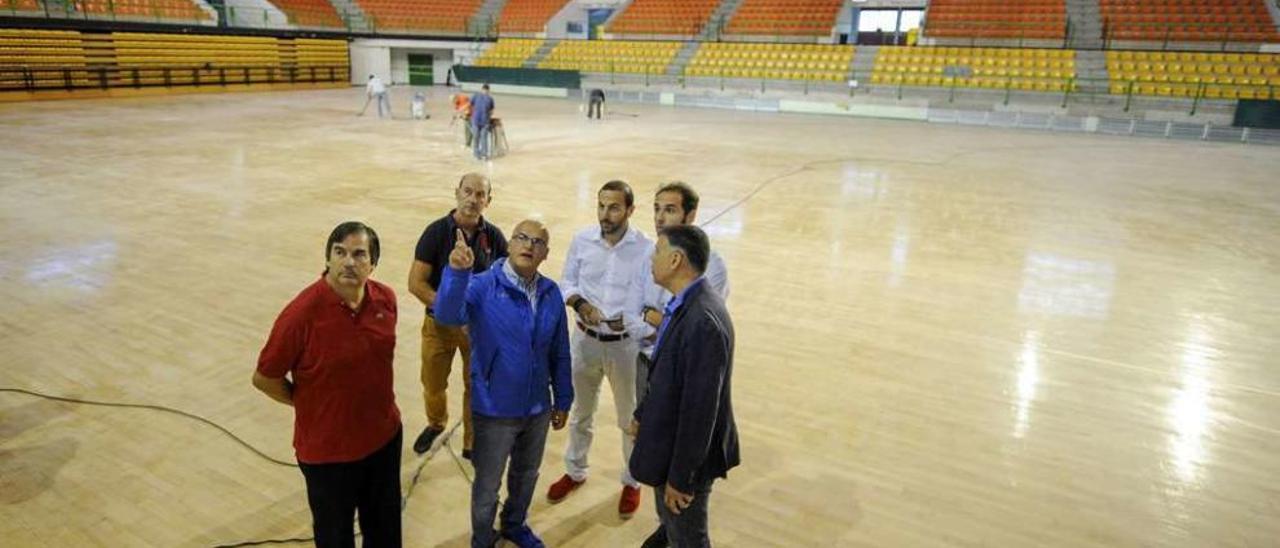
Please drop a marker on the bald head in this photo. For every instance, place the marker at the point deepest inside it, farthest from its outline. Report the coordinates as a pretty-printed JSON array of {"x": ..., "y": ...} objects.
[
  {"x": 533, "y": 228},
  {"x": 476, "y": 178},
  {"x": 528, "y": 247},
  {"x": 474, "y": 195}
]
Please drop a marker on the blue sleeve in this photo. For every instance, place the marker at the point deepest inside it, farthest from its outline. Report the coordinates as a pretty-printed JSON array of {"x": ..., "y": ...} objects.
[
  {"x": 451, "y": 298},
  {"x": 561, "y": 363}
]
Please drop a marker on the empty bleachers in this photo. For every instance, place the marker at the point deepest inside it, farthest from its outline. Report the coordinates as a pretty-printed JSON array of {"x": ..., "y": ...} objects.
[
  {"x": 773, "y": 61},
  {"x": 612, "y": 56},
  {"x": 509, "y": 52},
  {"x": 668, "y": 17},
  {"x": 145, "y": 10},
  {"x": 65, "y": 60},
  {"x": 310, "y": 13},
  {"x": 1192, "y": 74},
  {"x": 134, "y": 49},
  {"x": 45, "y": 58},
  {"x": 1022, "y": 19},
  {"x": 1188, "y": 20},
  {"x": 992, "y": 68},
  {"x": 784, "y": 17},
  {"x": 528, "y": 15},
  {"x": 18, "y": 6},
  {"x": 21, "y": 47},
  {"x": 421, "y": 15},
  {"x": 309, "y": 52}
]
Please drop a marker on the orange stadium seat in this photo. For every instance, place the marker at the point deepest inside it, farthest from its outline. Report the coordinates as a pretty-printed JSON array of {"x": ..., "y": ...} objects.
[
  {"x": 785, "y": 17},
  {"x": 1036, "y": 19},
  {"x": 528, "y": 15},
  {"x": 1188, "y": 20},
  {"x": 681, "y": 17}
]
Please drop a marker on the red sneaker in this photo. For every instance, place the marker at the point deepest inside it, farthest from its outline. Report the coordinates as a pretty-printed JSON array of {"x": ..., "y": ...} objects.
[
  {"x": 628, "y": 502},
  {"x": 562, "y": 487}
]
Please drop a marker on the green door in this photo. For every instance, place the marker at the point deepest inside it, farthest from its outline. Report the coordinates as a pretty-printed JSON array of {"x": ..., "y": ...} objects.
[{"x": 420, "y": 70}]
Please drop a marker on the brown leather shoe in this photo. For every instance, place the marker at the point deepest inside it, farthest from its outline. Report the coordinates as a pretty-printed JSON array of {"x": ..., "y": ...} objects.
[
  {"x": 628, "y": 502},
  {"x": 562, "y": 487}
]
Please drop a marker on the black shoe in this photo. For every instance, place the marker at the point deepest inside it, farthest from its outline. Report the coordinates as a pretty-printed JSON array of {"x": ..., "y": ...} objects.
[
  {"x": 466, "y": 454},
  {"x": 657, "y": 540},
  {"x": 425, "y": 439}
]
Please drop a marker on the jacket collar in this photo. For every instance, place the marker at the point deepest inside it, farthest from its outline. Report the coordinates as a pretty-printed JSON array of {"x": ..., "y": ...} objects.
[{"x": 544, "y": 283}]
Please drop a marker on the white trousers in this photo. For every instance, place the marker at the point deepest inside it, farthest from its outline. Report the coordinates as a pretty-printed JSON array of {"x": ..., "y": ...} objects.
[{"x": 592, "y": 362}]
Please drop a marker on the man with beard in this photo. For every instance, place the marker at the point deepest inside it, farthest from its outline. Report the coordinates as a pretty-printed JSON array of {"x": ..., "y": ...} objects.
[
  {"x": 604, "y": 284},
  {"x": 439, "y": 342},
  {"x": 520, "y": 336},
  {"x": 329, "y": 357},
  {"x": 675, "y": 203}
]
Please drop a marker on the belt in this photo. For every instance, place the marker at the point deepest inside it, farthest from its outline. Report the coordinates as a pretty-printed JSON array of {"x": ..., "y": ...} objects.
[{"x": 602, "y": 337}]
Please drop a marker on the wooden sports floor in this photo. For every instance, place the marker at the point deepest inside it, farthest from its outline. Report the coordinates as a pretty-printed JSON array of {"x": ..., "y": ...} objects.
[{"x": 946, "y": 336}]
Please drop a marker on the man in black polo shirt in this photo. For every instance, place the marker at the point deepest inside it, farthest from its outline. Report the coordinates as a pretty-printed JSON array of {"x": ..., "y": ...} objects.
[{"x": 439, "y": 342}]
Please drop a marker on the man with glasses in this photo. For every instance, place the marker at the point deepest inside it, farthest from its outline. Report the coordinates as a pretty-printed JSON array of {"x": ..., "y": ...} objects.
[{"x": 521, "y": 381}]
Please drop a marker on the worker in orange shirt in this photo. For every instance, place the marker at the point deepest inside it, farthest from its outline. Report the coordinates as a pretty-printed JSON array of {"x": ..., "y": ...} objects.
[{"x": 462, "y": 111}]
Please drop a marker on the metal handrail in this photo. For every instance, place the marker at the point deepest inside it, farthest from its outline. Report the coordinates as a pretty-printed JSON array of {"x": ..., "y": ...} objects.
[{"x": 71, "y": 78}]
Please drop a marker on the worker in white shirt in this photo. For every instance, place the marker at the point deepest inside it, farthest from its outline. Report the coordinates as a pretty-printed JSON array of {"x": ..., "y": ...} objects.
[
  {"x": 375, "y": 90},
  {"x": 674, "y": 204},
  {"x": 603, "y": 282}
]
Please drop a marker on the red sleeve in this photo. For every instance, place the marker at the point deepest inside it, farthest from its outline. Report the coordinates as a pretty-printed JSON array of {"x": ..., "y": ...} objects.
[{"x": 284, "y": 347}]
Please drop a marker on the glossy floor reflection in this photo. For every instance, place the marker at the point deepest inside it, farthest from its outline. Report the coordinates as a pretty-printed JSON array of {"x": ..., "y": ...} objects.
[{"x": 946, "y": 336}]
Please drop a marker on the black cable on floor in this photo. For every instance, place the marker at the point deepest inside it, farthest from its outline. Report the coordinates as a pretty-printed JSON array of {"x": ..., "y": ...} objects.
[
  {"x": 270, "y": 541},
  {"x": 161, "y": 408},
  {"x": 404, "y": 501}
]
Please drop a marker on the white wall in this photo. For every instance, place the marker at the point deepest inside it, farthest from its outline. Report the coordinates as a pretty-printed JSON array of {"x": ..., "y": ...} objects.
[
  {"x": 442, "y": 60},
  {"x": 891, "y": 4},
  {"x": 574, "y": 12},
  {"x": 248, "y": 13},
  {"x": 389, "y": 58},
  {"x": 366, "y": 60}
]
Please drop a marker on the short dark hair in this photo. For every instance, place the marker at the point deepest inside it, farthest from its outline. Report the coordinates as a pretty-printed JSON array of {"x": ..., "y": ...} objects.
[
  {"x": 692, "y": 242},
  {"x": 485, "y": 86},
  {"x": 348, "y": 228},
  {"x": 688, "y": 197},
  {"x": 620, "y": 186}
]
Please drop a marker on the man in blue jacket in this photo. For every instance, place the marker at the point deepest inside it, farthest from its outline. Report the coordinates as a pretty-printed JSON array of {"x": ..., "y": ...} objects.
[
  {"x": 685, "y": 433},
  {"x": 521, "y": 377}
]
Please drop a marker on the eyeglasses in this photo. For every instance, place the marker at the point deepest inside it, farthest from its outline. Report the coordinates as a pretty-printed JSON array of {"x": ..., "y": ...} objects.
[{"x": 525, "y": 239}]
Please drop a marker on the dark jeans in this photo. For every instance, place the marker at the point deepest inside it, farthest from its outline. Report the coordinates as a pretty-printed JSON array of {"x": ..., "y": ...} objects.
[
  {"x": 595, "y": 106},
  {"x": 369, "y": 487},
  {"x": 689, "y": 529},
  {"x": 521, "y": 440}
]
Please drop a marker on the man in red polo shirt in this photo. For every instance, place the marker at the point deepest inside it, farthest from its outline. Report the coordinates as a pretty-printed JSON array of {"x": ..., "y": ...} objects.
[{"x": 334, "y": 342}]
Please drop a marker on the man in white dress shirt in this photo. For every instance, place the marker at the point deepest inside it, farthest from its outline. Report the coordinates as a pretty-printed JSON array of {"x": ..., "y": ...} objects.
[
  {"x": 604, "y": 277},
  {"x": 674, "y": 204}
]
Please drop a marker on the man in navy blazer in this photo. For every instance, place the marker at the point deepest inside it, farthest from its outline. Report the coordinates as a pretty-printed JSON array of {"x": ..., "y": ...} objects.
[{"x": 684, "y": 428}]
